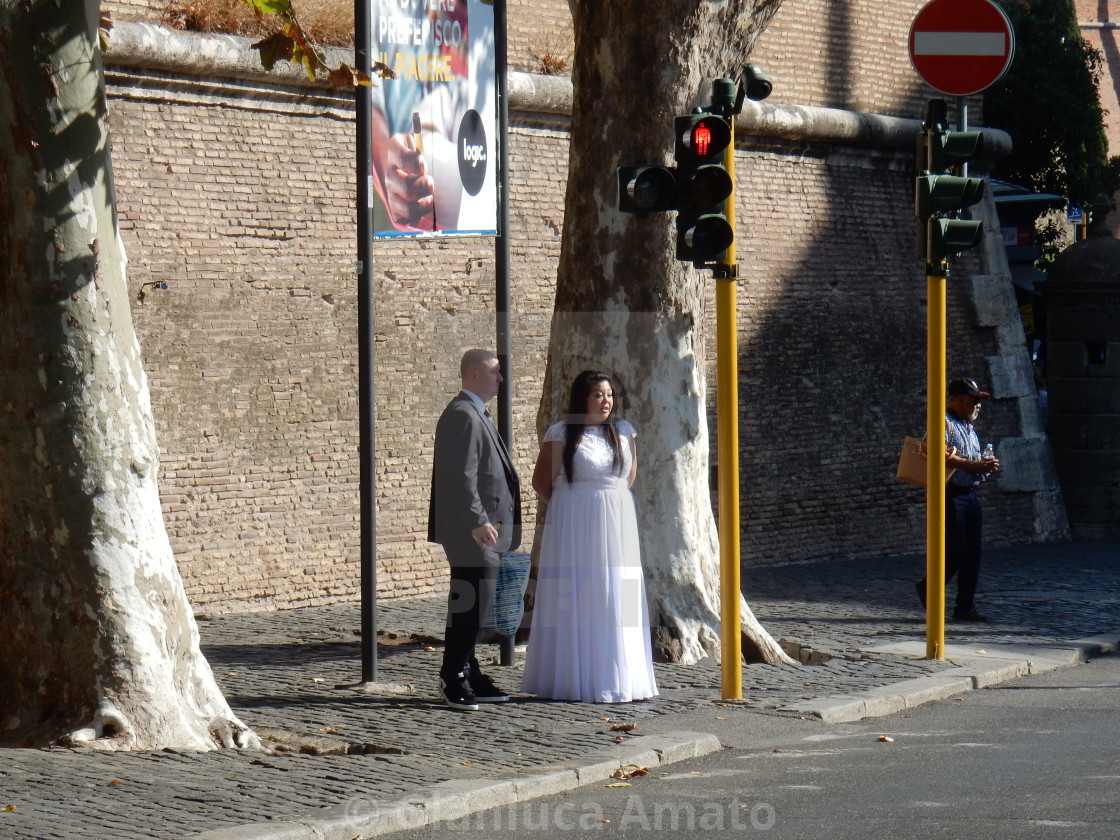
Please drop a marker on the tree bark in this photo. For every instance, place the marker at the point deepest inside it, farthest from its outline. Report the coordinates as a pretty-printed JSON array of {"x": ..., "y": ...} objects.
[
  {"x": 98, "y": 644},
  {"x": 623, "y": 302}
]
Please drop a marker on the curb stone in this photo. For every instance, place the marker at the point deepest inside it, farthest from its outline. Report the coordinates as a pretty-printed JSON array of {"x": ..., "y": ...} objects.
[
  {"x": 975, "y": 669},
  {"x": 459, "y": 798}
]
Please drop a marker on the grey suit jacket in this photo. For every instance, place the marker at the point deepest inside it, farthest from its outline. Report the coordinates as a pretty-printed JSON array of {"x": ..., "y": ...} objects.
[{"x": 473, "y": 482}]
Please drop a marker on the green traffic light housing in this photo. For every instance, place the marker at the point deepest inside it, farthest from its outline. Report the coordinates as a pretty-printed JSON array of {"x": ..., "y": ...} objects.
[
  {"x": 948, "y": 149},
  {"x": 646, "y": 189},
  {"x": 702, "y": 240},
  {"x": 946, "y": 194},
  {"x": 707, "y": 186},
  {"x": 703, "y": 186},
  {"x": 940, "y": 195},
  {"x": 699, "y": 186},
  {"x": 940, "y": 239}
]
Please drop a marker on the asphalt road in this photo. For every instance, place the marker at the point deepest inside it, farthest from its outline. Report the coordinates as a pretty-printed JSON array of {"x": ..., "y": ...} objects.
[{"x": 1033, "y": 758}]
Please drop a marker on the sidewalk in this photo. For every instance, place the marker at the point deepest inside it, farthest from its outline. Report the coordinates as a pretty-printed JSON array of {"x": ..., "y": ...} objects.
[{"x": 404, "y": 756}]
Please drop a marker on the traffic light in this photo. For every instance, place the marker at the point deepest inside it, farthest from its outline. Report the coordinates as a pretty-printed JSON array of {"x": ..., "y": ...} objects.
[
  {"x": 939, "y": 194},
  {"x": 699, "y": 186},
  {"x": 703, "y": 187},
  {"x": 646, "y": 189},
  {"x": 948, "y": 149}
]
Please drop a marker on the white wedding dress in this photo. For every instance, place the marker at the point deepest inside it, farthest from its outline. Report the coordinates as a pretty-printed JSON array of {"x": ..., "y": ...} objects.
[{"x": 590, "y": 628}]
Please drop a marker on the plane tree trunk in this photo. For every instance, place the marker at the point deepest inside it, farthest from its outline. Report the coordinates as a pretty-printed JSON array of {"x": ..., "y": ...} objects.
[
  {"x": 98, "y": 644},
  {"x": 625, "y": 304}
]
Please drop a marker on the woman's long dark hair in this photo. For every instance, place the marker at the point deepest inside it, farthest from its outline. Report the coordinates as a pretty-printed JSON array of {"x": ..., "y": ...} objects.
[{"x": 577, "y": 411}]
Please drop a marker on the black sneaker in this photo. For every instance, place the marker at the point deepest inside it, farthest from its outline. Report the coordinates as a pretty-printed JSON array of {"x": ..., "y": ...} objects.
[
  {"x": 457, "y": 692},
  {"x": 483, "y": 688},
  {"x": 968, "y": 615}
]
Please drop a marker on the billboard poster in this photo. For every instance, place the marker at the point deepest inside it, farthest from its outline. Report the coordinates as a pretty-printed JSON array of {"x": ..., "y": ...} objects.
[{"x": 435, "y": 125}]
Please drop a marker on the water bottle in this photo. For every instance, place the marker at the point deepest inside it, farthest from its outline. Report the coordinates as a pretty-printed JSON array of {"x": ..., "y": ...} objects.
[{"x": 989, "y": 452}]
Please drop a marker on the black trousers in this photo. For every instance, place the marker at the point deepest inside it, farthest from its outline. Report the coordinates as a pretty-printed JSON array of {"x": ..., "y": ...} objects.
[
  {"x": 962, "y": 544},
  {"x": 474, "y": 579}
]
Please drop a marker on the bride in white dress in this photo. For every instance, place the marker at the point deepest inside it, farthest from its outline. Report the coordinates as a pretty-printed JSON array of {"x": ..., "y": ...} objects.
[{"x": 590, "y": 630}]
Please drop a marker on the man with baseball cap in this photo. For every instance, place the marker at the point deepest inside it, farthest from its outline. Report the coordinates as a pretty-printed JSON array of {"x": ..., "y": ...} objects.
[{"x": 962, "y": 502}]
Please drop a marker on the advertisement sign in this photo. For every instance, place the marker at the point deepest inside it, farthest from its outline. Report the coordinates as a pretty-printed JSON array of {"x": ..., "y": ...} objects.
[{"x": 435, "y": 125}]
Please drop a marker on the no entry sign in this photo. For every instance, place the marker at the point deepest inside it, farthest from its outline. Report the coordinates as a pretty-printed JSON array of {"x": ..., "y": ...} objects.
[{"x": 960, "y": 47}]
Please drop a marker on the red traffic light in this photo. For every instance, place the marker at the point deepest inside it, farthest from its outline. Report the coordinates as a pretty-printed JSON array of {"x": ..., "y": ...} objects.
[{"x": 701, "y": 137}]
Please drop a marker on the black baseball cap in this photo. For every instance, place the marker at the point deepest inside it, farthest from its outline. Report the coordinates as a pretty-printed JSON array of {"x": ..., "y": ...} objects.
[{"x": 966, "y": 388}]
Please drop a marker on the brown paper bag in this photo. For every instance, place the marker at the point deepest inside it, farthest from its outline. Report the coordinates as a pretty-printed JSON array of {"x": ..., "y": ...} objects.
[{"x": 912, "y": 461}]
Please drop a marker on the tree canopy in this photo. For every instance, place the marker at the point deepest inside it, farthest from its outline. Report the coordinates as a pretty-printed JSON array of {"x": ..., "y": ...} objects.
[{"x": 1048, "y": 102}]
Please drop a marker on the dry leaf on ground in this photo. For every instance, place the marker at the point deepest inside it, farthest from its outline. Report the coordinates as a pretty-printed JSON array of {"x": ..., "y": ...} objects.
[{"x": 629, "y": 771}]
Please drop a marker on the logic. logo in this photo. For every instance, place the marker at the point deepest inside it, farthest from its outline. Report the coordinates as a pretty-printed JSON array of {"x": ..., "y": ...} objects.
[{"x": 472, "y": 152}]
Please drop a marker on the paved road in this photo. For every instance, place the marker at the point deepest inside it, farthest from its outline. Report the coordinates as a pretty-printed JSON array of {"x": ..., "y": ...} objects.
[
  {"x": 296, "y": 671},
  {"x": 1031, "y": 758}
]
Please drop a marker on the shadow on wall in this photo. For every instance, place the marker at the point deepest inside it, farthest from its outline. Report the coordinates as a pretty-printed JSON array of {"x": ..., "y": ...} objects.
[{"x": 832, "y": 367}]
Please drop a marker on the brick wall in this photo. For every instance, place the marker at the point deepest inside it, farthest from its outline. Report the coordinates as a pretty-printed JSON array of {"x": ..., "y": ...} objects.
[
  {"x": 242, "y": 202},
  {"x": 832, "y": 331},
  {"x": 1098, "y": 20},
  {"x": 852, "y": 55},
  {"x": 251, "y": 348}
]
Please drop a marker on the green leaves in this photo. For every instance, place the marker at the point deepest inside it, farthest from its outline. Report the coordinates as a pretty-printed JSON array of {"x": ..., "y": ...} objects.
[
  {"x": 283, "y": 8},
  {"x": 1048, "y": 102}
]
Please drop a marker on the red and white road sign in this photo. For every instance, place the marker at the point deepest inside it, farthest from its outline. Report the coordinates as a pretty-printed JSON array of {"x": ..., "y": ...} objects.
[{"x": 960, "y": 47}]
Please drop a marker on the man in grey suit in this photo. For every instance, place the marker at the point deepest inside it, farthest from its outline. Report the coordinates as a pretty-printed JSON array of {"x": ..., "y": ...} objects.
[{"x": 475, "y": 514}]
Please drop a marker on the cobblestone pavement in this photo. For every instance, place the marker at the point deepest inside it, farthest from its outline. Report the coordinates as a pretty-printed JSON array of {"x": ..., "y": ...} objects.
[{"x": 298, "y": 671}]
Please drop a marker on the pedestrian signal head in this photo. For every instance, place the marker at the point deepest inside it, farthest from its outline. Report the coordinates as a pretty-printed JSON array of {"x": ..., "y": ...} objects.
[{"x": 646, "y": 189}]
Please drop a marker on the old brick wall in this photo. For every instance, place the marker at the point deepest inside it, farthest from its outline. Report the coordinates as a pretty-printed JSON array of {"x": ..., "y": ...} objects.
[
  {"x": 240, "y": 197},
  {"x": 1099, "y": 20},
  {"x": 851, "y": 55},
  {"x": 832, "y": 332},
  {"x": 251, "y": 347},
  {"x": 148, "y": 11}
]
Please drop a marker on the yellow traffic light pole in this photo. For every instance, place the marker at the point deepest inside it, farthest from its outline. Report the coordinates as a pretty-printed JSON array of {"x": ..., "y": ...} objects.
[
  {"x": 935, "y": 461},
  {"x": 727, "y": 99},
  {"x": 938, "y": 199},
  {"x": 727, "y": 448},
  {"x": 703, "y": 194}
]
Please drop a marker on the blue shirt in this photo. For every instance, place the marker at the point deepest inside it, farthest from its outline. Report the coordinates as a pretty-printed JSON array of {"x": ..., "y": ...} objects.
[
  {"x": 959, "y": 433},
  {"x": 476, "y": 399}
]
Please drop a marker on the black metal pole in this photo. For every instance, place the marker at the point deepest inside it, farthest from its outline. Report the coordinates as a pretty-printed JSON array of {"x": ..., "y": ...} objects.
[
  {"x": 367, "y": 481},
  {"x": 962, "y": 125},
  {"x": 501, "y": 258}
]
